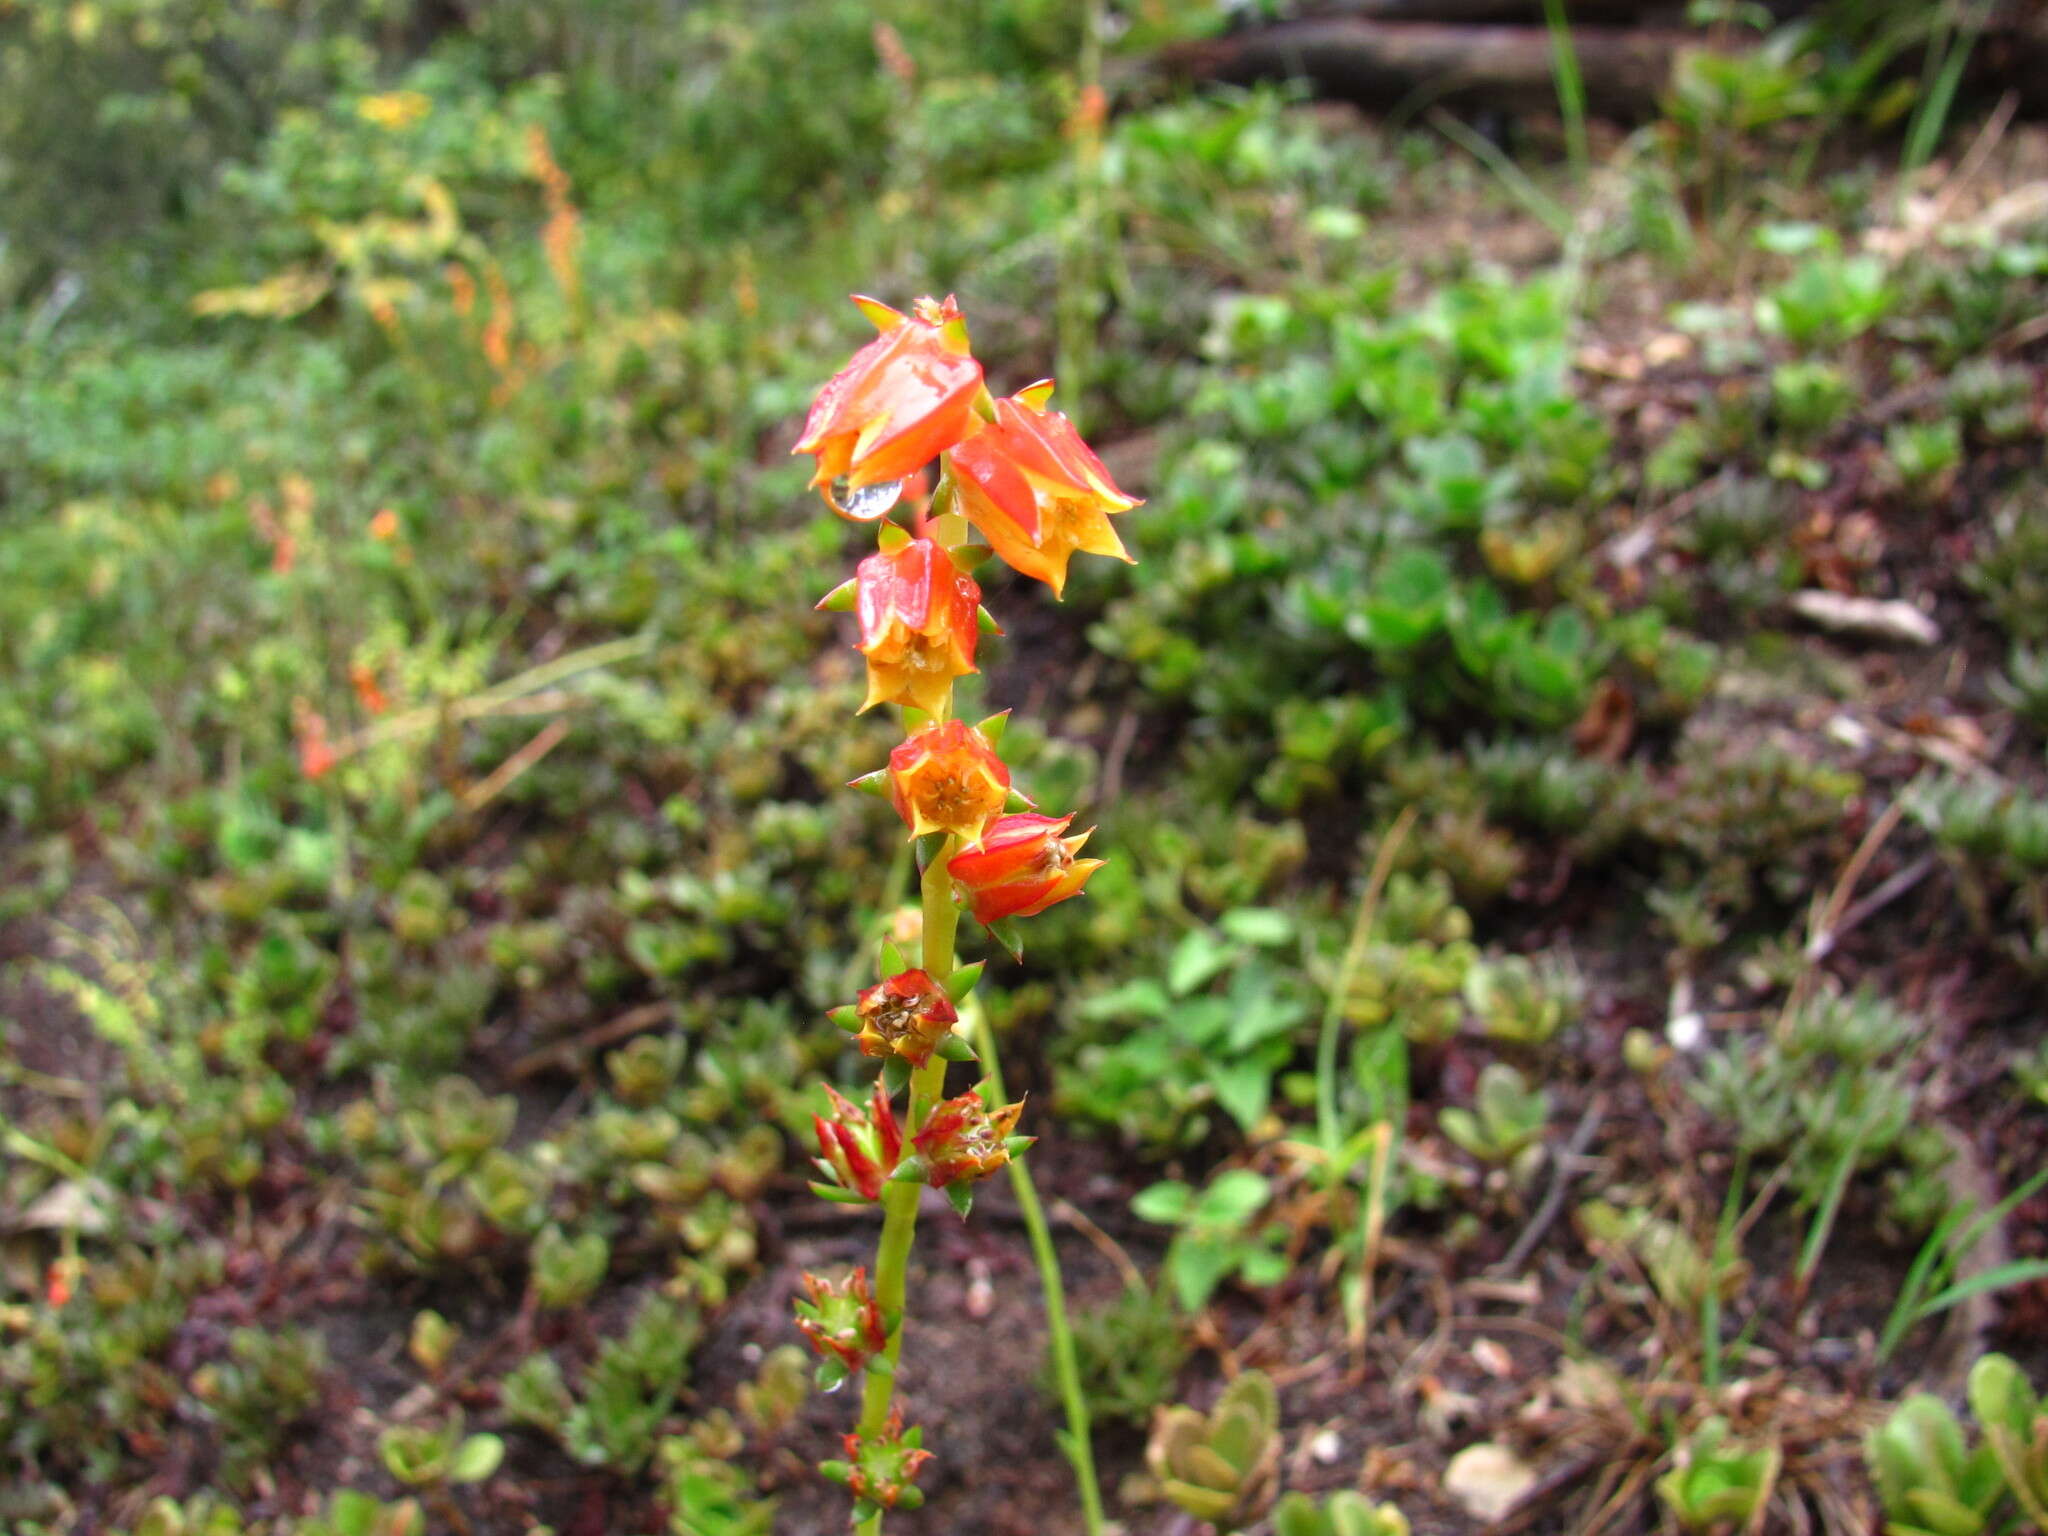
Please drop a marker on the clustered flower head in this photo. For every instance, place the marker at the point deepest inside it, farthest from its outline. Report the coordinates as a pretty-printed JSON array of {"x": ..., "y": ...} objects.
[
  {"x": 1013, "y": 481},
  {"x": 843, "y": 1323},
  {"x": 881, "y": 1470}
]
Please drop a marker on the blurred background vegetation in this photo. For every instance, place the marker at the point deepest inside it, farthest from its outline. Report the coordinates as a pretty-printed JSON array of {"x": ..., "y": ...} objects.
[{"x": 419, "y": 759}]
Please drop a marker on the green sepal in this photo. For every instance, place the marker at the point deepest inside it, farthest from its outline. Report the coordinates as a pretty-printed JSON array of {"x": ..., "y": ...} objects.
[
  {"x": 891, "y": 537},
  {"x": 962, "y": 982},
  {"x": 876, "y": 783},
  {"x": 969, "y": 556},
  {"x": 928, "y": 848},
  {"x": 831, "y": 1374},
  {"x": 882, "y": 1365},
  {"x": 961, "y": 1194},
  {"x": 1016, "y": 1146},
  {"x": 910, "y": 1498},
  {"x": 836, "y": 1472},
  {"x": 1005, "y": 932},
  {"x": 993, "y": 727},
  {"x": 895, "y": 1075},
  {"x": 956, "y": 1048},
  {"x": 912, "y": 1170},
  {"x": 837, "y": 1195},
  {"x": 892, "y": 958},
  {"x": 846, "y": 1017},
  {"x": 986, "y": 622},
  {"x": 914, "y": 719},
  {"x": 841, "y": 599},
  {"x": 1017, "y": 801}
]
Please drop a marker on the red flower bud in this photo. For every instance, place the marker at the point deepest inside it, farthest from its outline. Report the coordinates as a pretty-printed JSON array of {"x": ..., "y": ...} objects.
[
  {"x": 906, "y": 1015},
  {"x": 857, "y": 1149},
  {"x": 1022, "y": 867}
]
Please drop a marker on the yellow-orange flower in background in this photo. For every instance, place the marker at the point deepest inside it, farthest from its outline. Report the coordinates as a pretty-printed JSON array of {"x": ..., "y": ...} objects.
[
  {"x": 947, "y": 778},
  {"x": 1036, "y": 491},
  {"x": 903, "y": 399},
  {"x": 1022, "y": 867},
  {"x": 919, "y": 623}
]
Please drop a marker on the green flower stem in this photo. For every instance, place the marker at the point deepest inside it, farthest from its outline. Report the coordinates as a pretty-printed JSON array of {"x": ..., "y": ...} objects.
[
  {"x": 899, "y": 1201},
  {"x": 1066, "y": 1369}
]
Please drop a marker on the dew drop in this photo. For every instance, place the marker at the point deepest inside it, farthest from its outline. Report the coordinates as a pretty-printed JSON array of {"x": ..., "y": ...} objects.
[{"x": 867, "y": 502}]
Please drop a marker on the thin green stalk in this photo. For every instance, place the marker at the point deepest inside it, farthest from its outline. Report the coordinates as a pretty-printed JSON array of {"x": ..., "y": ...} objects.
[
  {"x": 899, "y": 1201},
  {"x": 1079, "y": 1440},
  {"x": 1571, "y": 85},
  {"x": 1327, "y": 1130},
  {"x": 1080, "y": 245}
]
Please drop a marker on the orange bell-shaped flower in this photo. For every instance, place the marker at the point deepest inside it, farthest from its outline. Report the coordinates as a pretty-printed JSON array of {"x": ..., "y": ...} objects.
[
  {"x": 1036, "y": 491},
  {"x": 919, "y": 623},
  {"x": 903, "y": 399},
  {"x": 947, "y": 778}
]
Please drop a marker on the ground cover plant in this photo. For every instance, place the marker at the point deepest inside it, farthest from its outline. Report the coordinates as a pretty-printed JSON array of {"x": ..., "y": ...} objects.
[{"x": 1553, "y": 1042}]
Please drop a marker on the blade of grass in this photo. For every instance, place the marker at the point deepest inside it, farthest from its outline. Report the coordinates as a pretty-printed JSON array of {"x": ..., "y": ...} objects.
[
  {"x": 1930, "y": 117},
  {"x": 1571, "y": 85},
  {"x": 1539, "y": 203},
  {"x": 1824, "y": 1218},
  {"x": 2019, "y": 1272}
]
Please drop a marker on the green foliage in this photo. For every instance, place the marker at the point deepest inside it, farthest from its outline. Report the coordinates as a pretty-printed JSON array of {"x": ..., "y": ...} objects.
[
  {"x": 615, "y": 1416},
  {"x": 705, "y": 1495},
  {"x": 1130, "y": 1352},
  {"x": 2014, "y": 1421},
  {"x": 1215, "y": 1030},
  {"x": 438, "y": 1455},
  {"x": 267, "y": 1385},
  {"x": 1219, "y": 1466},
  {"x": 1343, "y": 1514},
  {"x": 1716, "y": 1484},
  {"x": 1218, "y": 1234},
  {"x": 1504, "y": 1126},
  {"x": 1829, "y": 1089},
  {"x": 1931, "y": 1479}
]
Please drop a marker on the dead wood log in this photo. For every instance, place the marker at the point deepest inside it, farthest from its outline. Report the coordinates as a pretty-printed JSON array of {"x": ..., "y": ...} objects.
[{"x": 1383, "y": 64}]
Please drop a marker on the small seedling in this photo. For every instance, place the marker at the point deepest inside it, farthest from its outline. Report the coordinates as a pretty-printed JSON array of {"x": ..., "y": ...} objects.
[{"x": 1219, "y": 1466}]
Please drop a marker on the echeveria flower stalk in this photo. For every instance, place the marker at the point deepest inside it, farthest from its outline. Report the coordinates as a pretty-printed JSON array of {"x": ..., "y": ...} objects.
[{"x": 1020, "y": 475}]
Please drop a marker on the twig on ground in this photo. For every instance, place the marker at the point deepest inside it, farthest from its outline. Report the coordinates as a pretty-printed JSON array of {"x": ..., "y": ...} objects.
[
  {"x": 1566, "y": 1170},
  {"x": 627, "y": 1024}
]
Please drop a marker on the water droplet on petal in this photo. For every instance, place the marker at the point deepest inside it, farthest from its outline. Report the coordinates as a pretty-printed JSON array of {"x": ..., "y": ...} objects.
[{"x": 868, "y": 502}]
